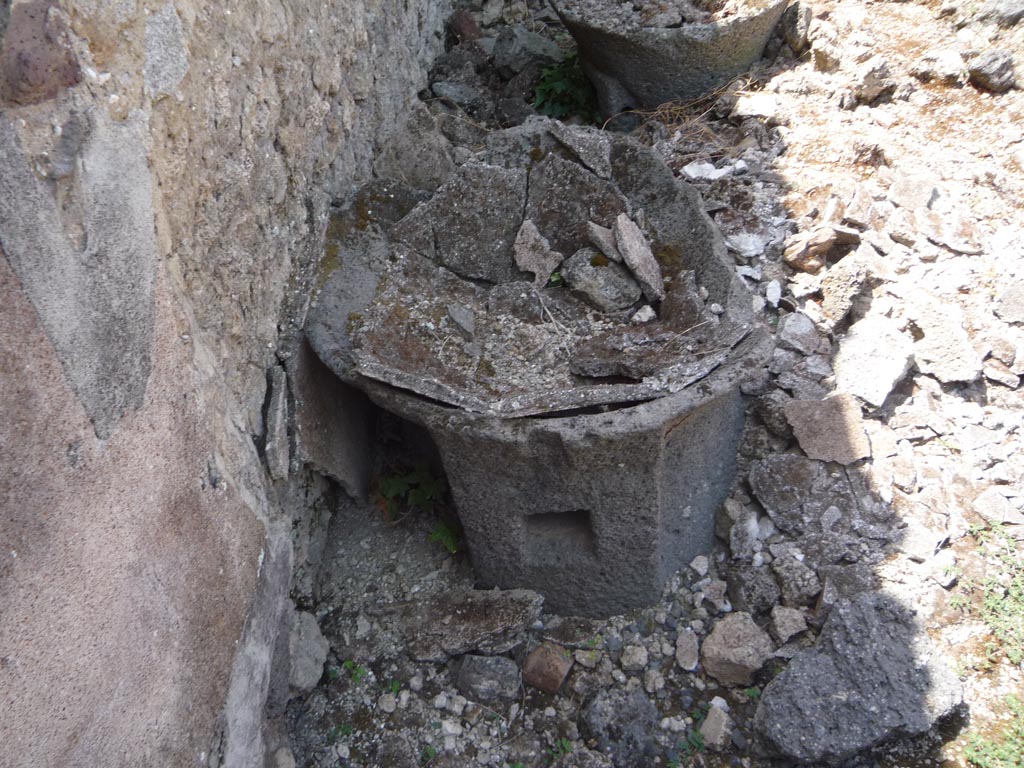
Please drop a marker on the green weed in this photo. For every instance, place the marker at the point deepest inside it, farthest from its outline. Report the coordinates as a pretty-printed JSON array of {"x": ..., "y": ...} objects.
[
  {"x": 406, "y": 491},
  {"x": 356, "y": 672},
  {"x": 563, "y": 91},
  {"x": 1002, "y": 593},
  {"x": 562, "y": 748},
  {"x": 447, "y": 536},
  {"x": 1005, "y": 752}
]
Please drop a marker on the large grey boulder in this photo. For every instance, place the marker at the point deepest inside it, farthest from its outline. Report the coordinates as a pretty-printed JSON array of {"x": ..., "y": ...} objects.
[
  {"x": 871, "y": 677},
  {"x": 637, "y": 60}
]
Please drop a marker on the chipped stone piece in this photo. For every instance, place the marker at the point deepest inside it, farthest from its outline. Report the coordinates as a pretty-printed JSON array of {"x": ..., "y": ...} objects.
[
  {"x": 533, "y": 253},
  {"x": 829, "y": 430},
  {"x": 717, "y": 729},
  {"x": 488, "y": 678},
  {"x": 873, "y": 357},
  {"x": 796, "y": 331},
  {"x": 872, "y": 676},
  {"x": 687, "y": 649},
  {"x": 636, "y": 253},
  {"x": 735, "y": 650},
  {"x": 643, "y": 315},
  {"x": 607, "y": 286},
  {"x": 546, "y": 667},
  {"x": 308, "y": 650},
  {"x": 787, "y": 623},
  {"x": 603, "y": 239},
  {"x": 992, "y": 71}
]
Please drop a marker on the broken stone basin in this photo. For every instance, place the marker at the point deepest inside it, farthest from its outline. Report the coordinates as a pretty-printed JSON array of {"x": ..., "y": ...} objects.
[
  {"x": 643, "y": 54},
  {"x": 586, "y": 454}
]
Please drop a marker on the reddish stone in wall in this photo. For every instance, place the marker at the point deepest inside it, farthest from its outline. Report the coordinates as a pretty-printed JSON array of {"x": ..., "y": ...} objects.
[{"x": 36, "y": 61}]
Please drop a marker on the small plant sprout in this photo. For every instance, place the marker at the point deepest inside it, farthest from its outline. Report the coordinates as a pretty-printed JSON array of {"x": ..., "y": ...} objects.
[
  {"x": 428, "y": 754},
  {"x": 562, "y": 748},
  {"x": 393, "y": 687},
  {"x": 446, "y": 536},
  {"x": 753, "y": 693},
  {"x": 564, "y": 90},
  {"x": 403, "y": 492},
  {"x": 356, "y": 672}
]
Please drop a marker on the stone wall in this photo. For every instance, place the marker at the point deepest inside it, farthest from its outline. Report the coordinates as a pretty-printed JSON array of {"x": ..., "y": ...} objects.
[{"x": 165, "y": 173}]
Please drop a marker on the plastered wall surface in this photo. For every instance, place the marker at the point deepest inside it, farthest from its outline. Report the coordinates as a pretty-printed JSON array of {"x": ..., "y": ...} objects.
[{"x": 165, "y": 173}]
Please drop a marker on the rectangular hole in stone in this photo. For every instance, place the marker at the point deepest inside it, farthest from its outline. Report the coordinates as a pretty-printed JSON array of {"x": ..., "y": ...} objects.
[{"x": 559, "y": 538}]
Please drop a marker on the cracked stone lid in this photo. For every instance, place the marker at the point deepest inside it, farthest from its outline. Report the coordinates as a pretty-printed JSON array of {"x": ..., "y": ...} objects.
[{"x": 530, "y": 284}]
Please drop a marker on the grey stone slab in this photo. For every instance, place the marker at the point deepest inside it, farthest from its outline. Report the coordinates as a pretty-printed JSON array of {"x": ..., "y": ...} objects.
[
  {"x": 479, "y": 199},
  {"x": 564, "y": 196}
]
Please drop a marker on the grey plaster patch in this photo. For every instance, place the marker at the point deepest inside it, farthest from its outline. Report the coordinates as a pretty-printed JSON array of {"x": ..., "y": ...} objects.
[
  {"x": 88, "y": 265},
  {"x": 166, "y": 55}
]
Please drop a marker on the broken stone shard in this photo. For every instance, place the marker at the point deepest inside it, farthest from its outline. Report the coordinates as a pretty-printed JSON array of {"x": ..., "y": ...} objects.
[
  {"x": 488, "y": 678},
  {"x": 608, "y": 286},
  {"x": 636, "y": 252},
  {"x": 448, "y": 227},
  {"x": 564, "y": 196},
  {"x": 603, "y": 239},
  {"x": 533, "y": 254},
  {"x": 872, "y": 676},
  {"x": 621, "y": 722},
  {"x": 546, "y": 667},
  {"x": 736, "y": 649},
  {"x": 829, "y": 429},
  {"x": 873, "y": 357}
]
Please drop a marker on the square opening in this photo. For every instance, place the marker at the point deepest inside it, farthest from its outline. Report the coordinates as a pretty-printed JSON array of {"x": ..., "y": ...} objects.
[{"x": 558, "y": 538}]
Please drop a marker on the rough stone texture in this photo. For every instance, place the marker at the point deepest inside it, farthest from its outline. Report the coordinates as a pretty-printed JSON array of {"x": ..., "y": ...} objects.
[
  {"x": 563, "y": 532},
  {"x": 632, "y": 66},
  {"x": 1010, "y": 305},
  {"x": 88, "y": 274},
  {"x": 621, "y": 722},
  {"x": 308, "y": 651},
  {"x": 488, "y": 622},
  {"x": 607, "y": 286},
  {"x": 993, "y": 71},
  {"x": 829, "y": 429},
  {"x": 636, "y": 253},
  {"x": 480, "y": 198},
  {"x": 891, "y": 681},
  {"x": 564, "y": 197},
  {"x": 139, "y": 317},
  {"x": 687, "y": 649},
  {"x": 546, "y": 667},
  {"x": 943, "y": 349},
  {"x": 533, "y": 254},
  {"x": 36, "y": 59},
  {"x": 333, "y": 423},
  {"x": 166, "y": 55},
  {"x": 872, "y": 358},
  {"x": 717, "y": 729},
  {"x": 787, "y": 622},
  {"x": 735, "y": 650},
  {"x": 488, "y": 678}
]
